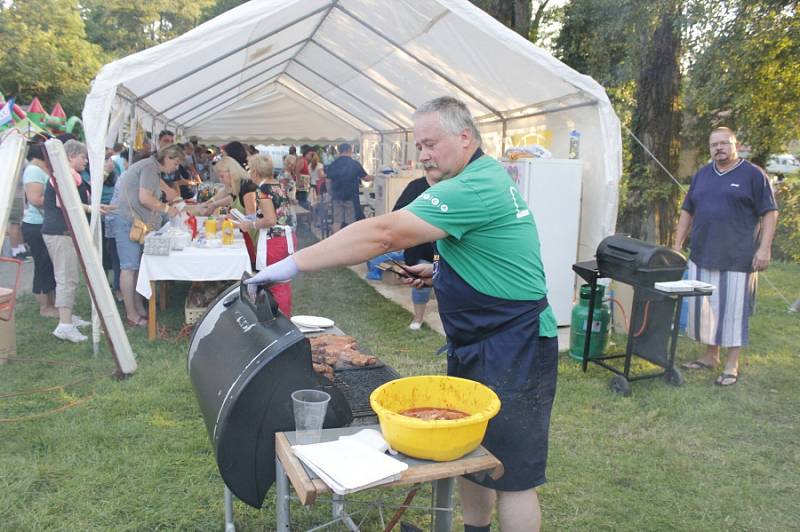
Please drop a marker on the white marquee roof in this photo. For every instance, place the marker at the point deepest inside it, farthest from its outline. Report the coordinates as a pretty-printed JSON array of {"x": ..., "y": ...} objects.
[{"x": 329, "y": 70}]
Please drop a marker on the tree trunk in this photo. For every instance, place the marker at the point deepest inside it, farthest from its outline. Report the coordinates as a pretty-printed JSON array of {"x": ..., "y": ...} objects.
[
  {"x": 651, "y": 209},
  {"x": 516, "y": 14},
  {"x": 533, "y": 33}
]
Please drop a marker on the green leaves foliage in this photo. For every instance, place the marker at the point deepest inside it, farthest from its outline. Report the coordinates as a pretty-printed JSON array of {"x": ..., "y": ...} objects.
[
  {"x": 747, "y": 77},
  {"x": 122, "y": 27},
  {"x": 786, "y": 245},
  {"x": 45, "y": 53}
]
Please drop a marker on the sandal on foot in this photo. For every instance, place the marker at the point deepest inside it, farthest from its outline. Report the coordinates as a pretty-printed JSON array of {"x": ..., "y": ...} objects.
[
  {"x": 141, "y": 322},
  {"x": 697, "y": 364},
  {"x": 727, "y": 379}
]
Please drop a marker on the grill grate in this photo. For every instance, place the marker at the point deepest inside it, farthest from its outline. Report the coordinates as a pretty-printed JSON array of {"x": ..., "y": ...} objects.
[{"x": 357, "y": 385}]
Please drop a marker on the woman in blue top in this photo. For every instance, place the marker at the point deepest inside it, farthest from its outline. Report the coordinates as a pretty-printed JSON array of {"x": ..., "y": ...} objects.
[{"x": 34, "y": 180}]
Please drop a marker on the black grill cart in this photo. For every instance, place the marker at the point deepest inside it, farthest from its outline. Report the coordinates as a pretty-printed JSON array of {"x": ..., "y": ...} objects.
[{"x": 653, "y": 328}]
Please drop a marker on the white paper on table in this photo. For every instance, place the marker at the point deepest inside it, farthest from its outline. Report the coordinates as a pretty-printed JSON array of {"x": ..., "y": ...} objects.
[
  {"x": 347, "y": 466},
  {"x": 683, "y": 285},
  {"x": 369, "y": 437}
]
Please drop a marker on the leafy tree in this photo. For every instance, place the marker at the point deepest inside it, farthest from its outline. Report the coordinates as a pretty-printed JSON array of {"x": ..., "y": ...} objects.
[
  {"x": 516, "y": 14},
  {"x": 122, "y": 27},
  {"x": 634, "y": 51},
  {"x": 45, "y": 53},
  {"x": 787, "y": 235},
  {"x": 220, "y": 6},
  {"x": 747, "y": 78},
  {"x": 651, "y": 208}
]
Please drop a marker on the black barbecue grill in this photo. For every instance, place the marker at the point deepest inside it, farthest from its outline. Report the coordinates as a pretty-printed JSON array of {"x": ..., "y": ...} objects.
[
  {"x": 245, "y": 359},
  {"x": 653, "y": 328}
]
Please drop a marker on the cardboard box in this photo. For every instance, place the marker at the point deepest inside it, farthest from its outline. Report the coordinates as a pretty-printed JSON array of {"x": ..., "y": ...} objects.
[{"x": 8, "y": 339}]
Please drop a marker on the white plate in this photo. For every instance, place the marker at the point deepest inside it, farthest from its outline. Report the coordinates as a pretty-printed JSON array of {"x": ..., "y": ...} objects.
[
  {"x": 308, "y": 330},
  {"x": 312, "y": 321}
]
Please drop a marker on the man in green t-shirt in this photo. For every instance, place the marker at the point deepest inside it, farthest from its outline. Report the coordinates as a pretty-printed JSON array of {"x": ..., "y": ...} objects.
[{"x": 491, "y": 290}]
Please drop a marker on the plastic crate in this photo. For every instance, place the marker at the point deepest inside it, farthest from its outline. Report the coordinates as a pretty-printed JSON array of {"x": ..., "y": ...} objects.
[
  {"x": 157, "y": 244},
  {"x": 193, "y": 314}
]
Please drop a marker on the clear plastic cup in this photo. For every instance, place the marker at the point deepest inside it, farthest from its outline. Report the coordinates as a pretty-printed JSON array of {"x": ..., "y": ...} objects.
[{"x": 309, "y": 413}]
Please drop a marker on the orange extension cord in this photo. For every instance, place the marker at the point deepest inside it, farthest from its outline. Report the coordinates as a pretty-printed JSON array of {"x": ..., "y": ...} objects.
[{"x": 94, "y": 379}]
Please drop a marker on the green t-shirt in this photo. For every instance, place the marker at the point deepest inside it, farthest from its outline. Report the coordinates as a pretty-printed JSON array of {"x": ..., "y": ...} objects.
[{"x": 492, "y": 241}]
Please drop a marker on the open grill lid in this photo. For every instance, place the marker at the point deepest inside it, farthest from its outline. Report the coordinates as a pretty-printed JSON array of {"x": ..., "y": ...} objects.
[
  {"x": 636, "y": 262},
  {"x": 245, "y": 359}
]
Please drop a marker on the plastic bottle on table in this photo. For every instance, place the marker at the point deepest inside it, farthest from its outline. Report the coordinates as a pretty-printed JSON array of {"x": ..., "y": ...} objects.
[
  {"x": 227, "y": 232},
  {"x": 574, "y": 144},
  {"x": 211, "y": 228},
  {"x": 191, "y": 223}
]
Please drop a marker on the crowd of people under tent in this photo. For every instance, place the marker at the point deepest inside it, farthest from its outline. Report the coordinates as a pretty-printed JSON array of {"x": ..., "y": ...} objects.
[{"x": 165, "y": 182}]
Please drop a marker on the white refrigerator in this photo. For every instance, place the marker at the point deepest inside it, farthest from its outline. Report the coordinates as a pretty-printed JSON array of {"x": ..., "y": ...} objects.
[{"x": 552, "y": 190}]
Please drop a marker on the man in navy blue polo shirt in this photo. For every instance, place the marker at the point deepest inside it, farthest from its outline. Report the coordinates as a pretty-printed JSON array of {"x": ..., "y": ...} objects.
[
  {"x": 731, "y": 211},
  {"x": 345, "y": 175}
]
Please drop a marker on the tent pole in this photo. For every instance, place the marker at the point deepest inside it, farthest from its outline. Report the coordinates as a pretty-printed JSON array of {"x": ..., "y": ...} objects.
[
  {"x": 225, "y": 91},
  {"x": 132, "y": 133},
  {"x": 318, "y": 26},
  {"x": 329, "y": 101},
  {"x": 337, "y": 117},
  {"x": 508, "y": 114},
  {"x": 503, "y": 139},
  {"x": 236, "y": 50},
  {"x": 405, "y": 149},
  {"x": 418, "y": 60},
  {"x": 240, "y": 71},
  {"x": 381, "y": 151},
  {"x": 538, "y": 113},
  {"x": 357, "y": 98},
  {"x": 238, "y": 98},
  {"x": 355, "y": 68}
]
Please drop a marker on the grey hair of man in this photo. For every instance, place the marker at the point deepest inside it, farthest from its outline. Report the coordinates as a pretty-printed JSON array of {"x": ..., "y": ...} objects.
[
  {"x": 73, "y": 148},
  {"x": 453, "y": 115}
]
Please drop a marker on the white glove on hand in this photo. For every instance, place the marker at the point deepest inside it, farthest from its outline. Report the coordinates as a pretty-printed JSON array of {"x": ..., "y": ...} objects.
[{"x": 283, "y": 270}]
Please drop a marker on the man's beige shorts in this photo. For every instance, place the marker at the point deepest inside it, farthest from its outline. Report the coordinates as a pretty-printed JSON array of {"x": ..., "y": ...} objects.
[{"x": 344, "y": 212}]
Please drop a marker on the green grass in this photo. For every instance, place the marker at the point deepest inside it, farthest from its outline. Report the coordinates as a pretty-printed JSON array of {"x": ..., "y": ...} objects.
[{"x": 135, "y": 455}]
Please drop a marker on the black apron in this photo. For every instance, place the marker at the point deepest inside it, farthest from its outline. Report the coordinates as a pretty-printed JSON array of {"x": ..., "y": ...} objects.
[{"x": 496, "y": 342}]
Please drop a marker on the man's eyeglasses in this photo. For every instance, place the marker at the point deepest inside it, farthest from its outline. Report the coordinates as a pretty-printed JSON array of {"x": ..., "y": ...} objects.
[{"x": 720, "y": 144}]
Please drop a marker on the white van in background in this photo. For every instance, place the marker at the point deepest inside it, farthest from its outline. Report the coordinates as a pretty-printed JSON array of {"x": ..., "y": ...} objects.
[{"x": 782, "y": 165}]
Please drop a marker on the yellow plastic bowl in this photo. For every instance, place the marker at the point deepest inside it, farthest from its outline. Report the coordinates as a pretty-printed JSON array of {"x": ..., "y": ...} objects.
[{"x": 434, "y": 440}]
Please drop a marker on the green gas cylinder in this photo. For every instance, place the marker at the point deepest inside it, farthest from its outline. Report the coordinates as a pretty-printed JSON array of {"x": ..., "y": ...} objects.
[{"x": 601, "y": 317}]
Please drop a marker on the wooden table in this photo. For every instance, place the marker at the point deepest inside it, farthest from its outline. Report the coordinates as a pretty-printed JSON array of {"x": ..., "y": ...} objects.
[{"x": 440, "y": 474}]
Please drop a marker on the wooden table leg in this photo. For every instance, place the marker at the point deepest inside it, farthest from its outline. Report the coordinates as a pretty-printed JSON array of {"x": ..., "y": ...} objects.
[
  {"x": 163, "y": 295},
  {"x": 151, "y": 312}
]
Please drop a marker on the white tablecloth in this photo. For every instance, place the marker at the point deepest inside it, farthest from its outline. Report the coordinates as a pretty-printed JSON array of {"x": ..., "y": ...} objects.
[{"x": 194, "y": 264}]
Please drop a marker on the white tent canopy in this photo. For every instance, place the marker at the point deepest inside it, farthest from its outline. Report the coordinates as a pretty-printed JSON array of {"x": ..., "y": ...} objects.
[{"x": 331, "y": 70}]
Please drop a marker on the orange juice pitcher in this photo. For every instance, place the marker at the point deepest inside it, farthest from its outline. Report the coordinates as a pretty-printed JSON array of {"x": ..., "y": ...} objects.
[
  {"x": 227, "y": 232},
  {"x": 211, "y": 228}
]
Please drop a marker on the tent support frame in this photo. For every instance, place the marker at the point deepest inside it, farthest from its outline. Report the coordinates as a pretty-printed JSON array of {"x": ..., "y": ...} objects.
[
  {"x": 357, "y": 98},
  {"x": 238, "y": 49},
  {"x": 346, "y": 118},
  {"x": 539, "y": 113},
  {"x": 363, "y": 73},
  {"x": 240, "y": 71},
  {"x": 348, "y": 113},
  {"x": 239, "y": 86},
  {"x": 420, "y": 61},
  {"x": 203, "y": 114},
  {"x": 503, "y": 138}
]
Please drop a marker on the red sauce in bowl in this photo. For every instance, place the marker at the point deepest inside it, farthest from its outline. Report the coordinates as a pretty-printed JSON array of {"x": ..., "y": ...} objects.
[{"x": 428, "y": 413}]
